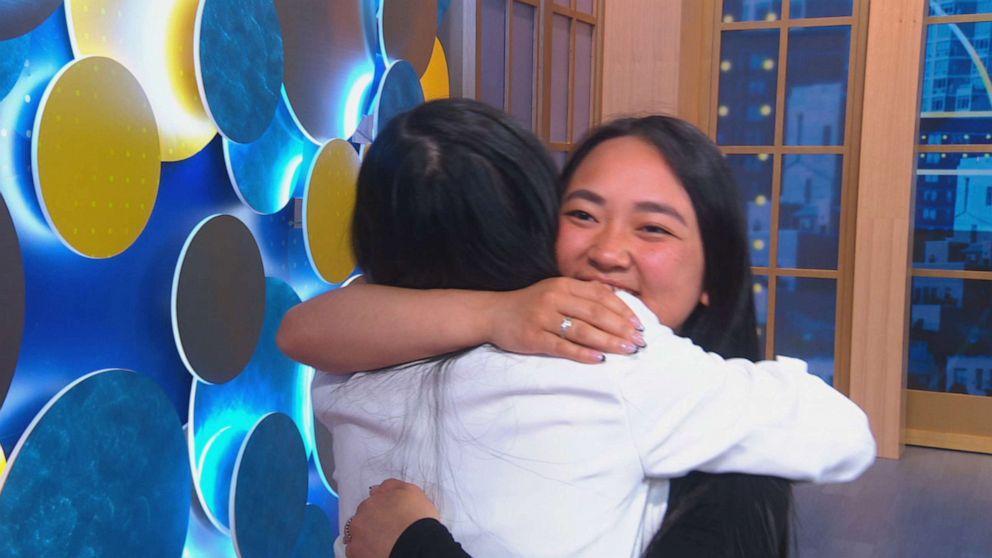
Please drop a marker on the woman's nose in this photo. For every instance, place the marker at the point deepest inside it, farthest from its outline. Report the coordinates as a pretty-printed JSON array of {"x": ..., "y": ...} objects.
[{"x": 610, "y": 251}]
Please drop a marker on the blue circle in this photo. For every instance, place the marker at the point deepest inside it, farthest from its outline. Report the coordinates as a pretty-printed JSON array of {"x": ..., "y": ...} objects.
[
  {"x": 399, "y": 92},
  {"x": 316, "y": 540},
  {"x": 240, "y": 65},
  {"x": 18, "y": 17},
  {"x": 267, "y": 172},
  {"x": 13, "y": 53},
  {"x": 101, "y": 471},
  {"x": 269, "y": 494}
]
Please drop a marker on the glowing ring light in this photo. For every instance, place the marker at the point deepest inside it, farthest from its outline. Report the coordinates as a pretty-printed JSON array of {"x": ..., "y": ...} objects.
[
  {"x": 328, "y": 206},
  {"x": 3, "y": 461},
  {"x": 407, "y": 29},
  {"x": 95, "y": 157},
  {"x": 239, "y": 65},
  {"x": 316, "y": 539},
  {"x": 399, "y": 91},
  {"x": 11, "y": 299},
  {"x": 221, "y": 415},
  {"x": 18, "y": 17},
  {"x": 269, "y": 491},
  {"x": 155, "y": 41},
  {"x": 435, "y": 81},
  {"x": 328, "y": 64},
  {"x": 102, "y": 465},
  {"x": 218, "y": 299},
  {"x": 265, "y": 173},
  {"x": 13, "y": 53}
]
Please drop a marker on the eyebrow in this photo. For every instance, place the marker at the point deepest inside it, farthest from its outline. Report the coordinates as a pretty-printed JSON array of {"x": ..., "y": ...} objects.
[{"x": 640, "y": 207}]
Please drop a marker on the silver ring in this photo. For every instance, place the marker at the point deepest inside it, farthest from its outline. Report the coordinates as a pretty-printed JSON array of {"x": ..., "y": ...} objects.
[
  {"x": 347, "y": 532},
  {"x": 566, "y": 324}
]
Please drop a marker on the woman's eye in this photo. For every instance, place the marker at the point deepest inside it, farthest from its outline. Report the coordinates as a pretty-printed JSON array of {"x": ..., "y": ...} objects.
[
  {"x": 580, "y": 215},
  {"x": 655, "y": 229}
]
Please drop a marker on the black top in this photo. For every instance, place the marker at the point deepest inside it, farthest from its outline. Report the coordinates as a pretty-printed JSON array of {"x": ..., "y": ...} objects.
[{"x": 427, "y": 538}]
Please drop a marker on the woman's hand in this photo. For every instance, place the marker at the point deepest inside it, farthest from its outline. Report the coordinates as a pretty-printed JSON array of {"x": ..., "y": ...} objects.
[
  {"x": 529, "y": 321},
  {"x": 380, "y": 520}
]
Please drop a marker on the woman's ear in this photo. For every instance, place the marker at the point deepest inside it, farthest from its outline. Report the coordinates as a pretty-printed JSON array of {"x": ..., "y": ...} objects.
[{"x": 704, "y": 298}]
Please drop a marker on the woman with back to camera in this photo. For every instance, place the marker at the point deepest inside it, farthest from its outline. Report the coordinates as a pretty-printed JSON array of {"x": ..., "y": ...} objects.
[{"x": 430, "y": 153}]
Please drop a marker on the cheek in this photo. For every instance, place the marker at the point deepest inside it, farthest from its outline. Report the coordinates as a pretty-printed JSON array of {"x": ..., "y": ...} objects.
[{"x": 568, "y": 247}]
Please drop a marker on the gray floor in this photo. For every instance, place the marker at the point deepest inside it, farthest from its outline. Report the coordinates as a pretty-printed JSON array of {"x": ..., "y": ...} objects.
[{"x": 931, "y": 503}]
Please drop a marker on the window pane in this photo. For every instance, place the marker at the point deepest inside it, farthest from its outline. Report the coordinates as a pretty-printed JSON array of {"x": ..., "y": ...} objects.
[
  {"x": 950, "y": 337},
  {"x": 561, "y": 26},
  {"x": 493, "y": 55},
  {"x": 754, "y": 184},
  {"x": 760, "y": 288},
  {"x": 523, "y": 64},
  {"x": 805, "y": 317},
  {"x": 809, "y": 214},
  {"x": 751, "y": 10},
  {"x": 800, "y": 9},
  {"x": 582, "y": 110},
  {"x": 956, "y": 93},
  {"x": 748, "y": 79},
  {"x": 953, "y": 225},
  {"x": 586, "y": 6},
  {"x": 816, "y": 87},
  {"x": 955, "y": 7}
]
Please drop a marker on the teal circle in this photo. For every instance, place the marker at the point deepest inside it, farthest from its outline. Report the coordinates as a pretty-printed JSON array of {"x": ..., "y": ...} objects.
[
  {"x": 399, "y": 92},
  {"x": 240, "y": 65},
  {"x": 101, "y": 471}
]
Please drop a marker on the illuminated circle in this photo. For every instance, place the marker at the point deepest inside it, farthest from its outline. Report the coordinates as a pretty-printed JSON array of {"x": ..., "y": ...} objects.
[
  {"x": 269, "y": 491},
  {"x": 265, "y": 172},
  {"x": 723, "y": 110},
  {"x": 11, "y": 299},
  {"x": 761, "y": 200},
  {"x": 95, "y": 153},
  {"x": 765, "y": 110},
  {"x": 316, "y": 539},
  {"x": 239, "y": 64},
  {"x": 768, "y": 64},
  {"x": 407, "y": 29},
  {"x": 102, "y": 467},
  {"x": 221, "y": 415},
  {"x": 328, "y": 64},
  {"x": 759, "y": 244},
  {"x": 154, "y": 40},
  {"x": 13, "y": 53},
  {"x": 17, "y": 17},
  {"x": 218, "y": 299},
  {"x": 435, "y": 80},
  {"x": 757, "y": 288},
  {"x": 399, "y": 91},
  {"x": 328, "y": 205},
  {"x": 725, "y": 66}
]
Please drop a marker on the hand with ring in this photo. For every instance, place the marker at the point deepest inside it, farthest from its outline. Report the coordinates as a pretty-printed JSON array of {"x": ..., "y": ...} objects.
[
  {"x": 380, "y": 520},
  {"x": 564, "y": 317}
]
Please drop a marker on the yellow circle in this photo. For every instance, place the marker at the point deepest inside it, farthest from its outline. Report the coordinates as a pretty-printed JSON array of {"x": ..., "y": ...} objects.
[
  {"x": 768, "y": 64},
  {"x": 766, "y": 110},
  {"x": 328, "y": 206},
  {"x": 771, "y": 16},
  {"x": 435, "y": 79},
  {"x": 759, "y": 244},
  {"x": 154, "y": 40},
  {"x": 728, "y": 18},
  {"x": 758, "y": 289},
  {"x": 762, "y": 157},
  {"x": 82, "y": 164},
  {"x": 761, "y": 200},
  {"x": 723, "y": 110},
  {"x": 725, "y": 66}
]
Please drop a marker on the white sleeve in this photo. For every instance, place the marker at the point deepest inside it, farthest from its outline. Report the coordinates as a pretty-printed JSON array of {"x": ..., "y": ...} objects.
[{"x": 692, "y": 410}]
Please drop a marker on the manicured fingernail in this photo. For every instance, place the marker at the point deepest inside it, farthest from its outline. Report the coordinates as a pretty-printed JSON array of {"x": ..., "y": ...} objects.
[
  {"x": 639, "y": 340},
  {"x": 637, "y": 324},
  {"x": 602, "y": 357},
  {"x": 628, "y": 348}
]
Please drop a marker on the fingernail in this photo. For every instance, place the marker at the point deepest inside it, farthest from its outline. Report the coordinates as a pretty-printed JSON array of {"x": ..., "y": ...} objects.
[
  {"x": 637, "y": 324},
  {"x": 602, "y": 357},
  {"x": 628, "y": 348},
  {"x": 639, "y": 340}
]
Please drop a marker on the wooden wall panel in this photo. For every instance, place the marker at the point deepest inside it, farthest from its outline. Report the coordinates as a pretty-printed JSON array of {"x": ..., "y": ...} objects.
[
  {"x": 884, "y": 217},
  {"x": 641, "y": 49}
]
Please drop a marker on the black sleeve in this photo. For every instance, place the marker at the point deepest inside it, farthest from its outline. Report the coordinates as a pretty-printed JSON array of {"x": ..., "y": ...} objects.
[{"x": 427, "y": 538}]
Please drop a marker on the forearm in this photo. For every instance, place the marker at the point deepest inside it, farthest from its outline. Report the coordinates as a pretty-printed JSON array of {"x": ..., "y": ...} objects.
[{"x": 366, "y": 327}]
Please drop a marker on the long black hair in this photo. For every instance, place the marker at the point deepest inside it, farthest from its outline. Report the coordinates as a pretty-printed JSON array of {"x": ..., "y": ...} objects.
[
  {"x": 455, "y": 194},
  {"x": 710, "y": 515}
]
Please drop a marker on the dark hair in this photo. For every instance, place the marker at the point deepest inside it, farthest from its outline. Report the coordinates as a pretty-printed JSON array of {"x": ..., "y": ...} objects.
[
  {"x": 710, "y": 515},
  {"x": 455, "y": 194}
]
